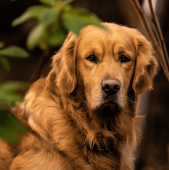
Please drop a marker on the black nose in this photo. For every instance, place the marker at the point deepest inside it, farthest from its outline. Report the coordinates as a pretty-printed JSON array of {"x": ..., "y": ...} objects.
[{"x": 110, "y": 86}]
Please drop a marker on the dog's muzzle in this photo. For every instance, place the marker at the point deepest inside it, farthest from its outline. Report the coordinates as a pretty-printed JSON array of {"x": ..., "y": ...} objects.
[{"x": 110, "y": 89}]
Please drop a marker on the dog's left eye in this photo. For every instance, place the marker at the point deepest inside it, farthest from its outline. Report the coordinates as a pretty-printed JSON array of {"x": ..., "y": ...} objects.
[
  {"x": 123, "y": 59},
  {"x": 92, "y": 58}
]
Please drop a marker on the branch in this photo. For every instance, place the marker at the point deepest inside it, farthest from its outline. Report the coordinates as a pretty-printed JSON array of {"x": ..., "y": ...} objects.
[
  {"x": 158, "y": 50},
  {"x": 157, "y": 36},
  {"x": 158, "y": 32}
]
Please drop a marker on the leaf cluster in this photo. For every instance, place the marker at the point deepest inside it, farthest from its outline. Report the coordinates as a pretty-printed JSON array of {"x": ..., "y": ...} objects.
[
  {"x": 54, "y": 19},
  {"x": 10, "y": 127},
  {"x": 12, "y": 52},
  {"x": 9, "y": 94}
]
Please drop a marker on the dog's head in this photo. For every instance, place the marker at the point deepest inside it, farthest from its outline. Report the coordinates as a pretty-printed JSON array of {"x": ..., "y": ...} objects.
[{"x": 100, "y": 66}]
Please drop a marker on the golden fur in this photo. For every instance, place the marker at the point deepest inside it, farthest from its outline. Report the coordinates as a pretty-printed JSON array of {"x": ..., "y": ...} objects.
[{"x": 64, "y": 112}]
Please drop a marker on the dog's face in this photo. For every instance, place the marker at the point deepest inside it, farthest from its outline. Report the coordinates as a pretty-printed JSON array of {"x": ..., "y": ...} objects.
[
  {"x": 101, "y": 65},
  {"x": 105, "y": 63}
]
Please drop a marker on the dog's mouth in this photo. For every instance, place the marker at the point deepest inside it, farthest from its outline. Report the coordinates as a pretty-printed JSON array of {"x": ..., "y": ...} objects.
[{"x": 109, "y": 108}]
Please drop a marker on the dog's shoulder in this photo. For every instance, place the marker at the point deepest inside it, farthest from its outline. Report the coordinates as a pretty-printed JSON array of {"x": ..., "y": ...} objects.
[
  {"x": 49, "y": 131},
  {"x": 38, "y": 85}
]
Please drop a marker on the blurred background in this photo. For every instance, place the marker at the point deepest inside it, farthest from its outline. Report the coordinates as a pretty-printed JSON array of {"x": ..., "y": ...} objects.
[{"x": 153, "y": 150}]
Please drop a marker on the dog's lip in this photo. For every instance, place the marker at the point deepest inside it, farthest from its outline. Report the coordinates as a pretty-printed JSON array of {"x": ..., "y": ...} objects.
[{"x": 108, "y": 105}]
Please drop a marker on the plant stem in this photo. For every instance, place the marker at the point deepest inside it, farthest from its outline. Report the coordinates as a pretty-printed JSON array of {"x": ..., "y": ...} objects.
[
  {"x": 158, "y": 50},
  {"x": 158, "y": 32}
]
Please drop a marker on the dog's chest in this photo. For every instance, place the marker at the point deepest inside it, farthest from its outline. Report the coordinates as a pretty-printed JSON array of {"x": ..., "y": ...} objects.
[{"x": 104, "y": 156}]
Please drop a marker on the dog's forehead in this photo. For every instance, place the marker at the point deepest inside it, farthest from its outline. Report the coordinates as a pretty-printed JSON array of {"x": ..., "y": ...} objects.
[{"x": 115, "y": 35}]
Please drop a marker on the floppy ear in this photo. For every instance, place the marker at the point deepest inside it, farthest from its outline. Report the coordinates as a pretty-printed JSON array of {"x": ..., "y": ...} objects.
[
  {"x": 64, "y": 62},
  {"x": 146, "y": 65}
]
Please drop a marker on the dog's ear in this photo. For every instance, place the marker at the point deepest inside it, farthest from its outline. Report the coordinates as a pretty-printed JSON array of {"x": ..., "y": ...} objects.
[
  {"x": 146, "y": 64},
  {"x": 64, "y": 62}
]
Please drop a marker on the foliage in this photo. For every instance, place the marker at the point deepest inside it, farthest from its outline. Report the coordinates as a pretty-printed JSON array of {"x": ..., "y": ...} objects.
[
  {"x": 9, "y": 94},
  {"x": 12, "y": 52},
  {"x": 54, "y": 20},
  {"x": 10, "y": 127}
]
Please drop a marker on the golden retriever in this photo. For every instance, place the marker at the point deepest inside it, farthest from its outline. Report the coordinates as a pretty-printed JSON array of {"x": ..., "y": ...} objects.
[{"x": 82, "y": 116}]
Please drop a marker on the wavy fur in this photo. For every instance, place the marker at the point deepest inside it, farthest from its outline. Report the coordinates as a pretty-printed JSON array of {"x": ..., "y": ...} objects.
[{"x": 64, "y": 131}]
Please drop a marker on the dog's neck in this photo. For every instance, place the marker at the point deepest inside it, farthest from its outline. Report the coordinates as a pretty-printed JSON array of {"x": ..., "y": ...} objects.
[
  {"x": 99, "y": 143},
  {"x": 98, "y": 133}
]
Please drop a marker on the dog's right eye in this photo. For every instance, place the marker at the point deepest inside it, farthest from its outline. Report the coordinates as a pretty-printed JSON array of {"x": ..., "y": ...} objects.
[
  {"x": 124, "y": 59},
  {"x": 92, "y": 58}
]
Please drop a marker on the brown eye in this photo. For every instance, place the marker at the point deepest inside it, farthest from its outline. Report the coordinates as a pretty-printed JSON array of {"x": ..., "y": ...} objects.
[
  {"x": 92, "y": 58},
  {"x": 123, "y": 59}
]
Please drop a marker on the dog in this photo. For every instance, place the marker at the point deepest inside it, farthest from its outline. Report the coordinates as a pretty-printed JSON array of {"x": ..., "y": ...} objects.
[{"x": 82, "y": 116}]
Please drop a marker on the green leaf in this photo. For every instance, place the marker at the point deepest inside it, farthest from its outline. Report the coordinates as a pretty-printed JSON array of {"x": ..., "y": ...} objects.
[
  {"x": 32, "y": 12},
  {"x": 14, "y": 51},
  {"x": 8, "y": 92},
  {"x": 49, "y": 16},
  {"x": 2, "y": 44},
  {"x": 43, "y": 44},
  {"x": 73, "y": 22},
  {"x": 4, "y": 65},
  {"x": 14, "y": 86},
  {"x": 66, "y": 2},
  {"x": 76, "y": 19},
  {"x": 90, "y": 18},
  {"x": 10, "y": 98},
  {"x": 35, "y": 35},
  {"x": 10, "y": 127},
  {"x": 57, "y": 36},
  {"x": 48, "y": 2}
]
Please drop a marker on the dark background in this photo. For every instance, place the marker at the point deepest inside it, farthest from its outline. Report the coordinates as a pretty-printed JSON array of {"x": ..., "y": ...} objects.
[{"x": 153, "y": 151}]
